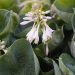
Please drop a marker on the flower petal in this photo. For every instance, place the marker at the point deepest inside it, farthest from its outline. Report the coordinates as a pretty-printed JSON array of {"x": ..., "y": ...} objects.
[
  {"x": 36, "y": 35},
  {"x": 30, "y": 34},
  {"x": 28, "y": 18},
  {"x": 29, "y": 14},
  {"x": 48, "y": 17},
  {"x": 44, "y": 37},
  {"x": 49, "y": 32},
  {"x": 25, "y": 22},
  {"x": 45, "y": 12}
]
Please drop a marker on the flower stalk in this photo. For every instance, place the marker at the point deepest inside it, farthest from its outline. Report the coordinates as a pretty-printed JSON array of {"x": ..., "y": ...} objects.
[{"x": 37, "y": 16}]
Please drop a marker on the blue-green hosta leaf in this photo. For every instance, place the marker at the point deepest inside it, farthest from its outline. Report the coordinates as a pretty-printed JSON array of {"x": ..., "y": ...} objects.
[
  {"x": 57, "y": 69},
  {"x": 9, "y": 5},
  {"x": 67, "y": 64},
  {"x": 8, "y": 22},
  {"x": 22, "y": 31},
  {"x": 73, "y": 22},
  {"x": 72, "y": 46},
  {"x": 39, "y": 50},
  {"x": 65, "y": 5},
  {"x": 65, "y": 16},
  {"x": 57, "y": 38},
  {"x": 48, "y": 73},
  {"x": 46, "y": 65},
  {"x": 19, "y": 60}
]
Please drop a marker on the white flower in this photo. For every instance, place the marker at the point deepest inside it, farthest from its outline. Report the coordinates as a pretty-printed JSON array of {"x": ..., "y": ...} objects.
[
  {"x": 5, "y": 51},
  {"x": 45, "y": 12},
  {"x": 30, "y": 34},
  {"x": 45, "y": 18},
  {"x": 36, "y": 35},
  {"x": 28, "y": 18},
  {"x": 33, "y": 35},
  {"x": 29, "y": 14},
  {"x": 47, "y": 33},
  {"x": 2, "y": 46},
  {"x": 44, "y": 36},
  {"x": 39, "y": 18},
  {"x": 25, "y": 22}
]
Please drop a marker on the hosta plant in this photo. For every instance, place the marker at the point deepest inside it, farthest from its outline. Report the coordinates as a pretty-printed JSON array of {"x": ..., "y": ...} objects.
[{"x": 37, "y": 37}]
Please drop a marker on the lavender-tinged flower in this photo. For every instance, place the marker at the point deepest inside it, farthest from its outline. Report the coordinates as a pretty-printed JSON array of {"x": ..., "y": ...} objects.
[
  {"x": 45, "y": 18},
  {"x": 47, "y": 33},
  {"x": 44, "y": 36},
  {"x": 40, "y": 23},
  {"x": 33, "y": 35},
  {"x": 25, "y": 22},
  {"x": 36, "y": 35},
  {"x": 29, "y": 14},
  {"x": 30, "y": 34},
  {"x": 28, "y": 18},
  {"x": 38, "y": 17}
]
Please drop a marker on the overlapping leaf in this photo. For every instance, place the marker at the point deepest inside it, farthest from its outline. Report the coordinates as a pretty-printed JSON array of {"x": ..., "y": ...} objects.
[
  {"x": 67, "y": 64},
  {"x": 19, "y": 60},
  {"x": 8, "y": 22},
  {"x": 65, "y": 5}
]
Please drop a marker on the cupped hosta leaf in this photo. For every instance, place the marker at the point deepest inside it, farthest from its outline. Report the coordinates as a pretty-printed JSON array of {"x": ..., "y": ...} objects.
[
  {"x": 57, "y": 38},
  {"x": 9, "y": 5},
  {"x": 48, "y": 73},
  {"x": 8, "y": 22},
  {"x": 19, "y": 60},
  {"x": 65, "y": 16},
  {"x": 46, "y": 66},
  {"x": 57, "y": 69},
  {"x": 40, "y": 50},
  {"x": 72, "y": 46},
  {"x": 22, "y": 31},
  {"x": 67, "y": 64},
  {"x": 65, "y": 5},
  {"x": 73, "y": 22}
]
